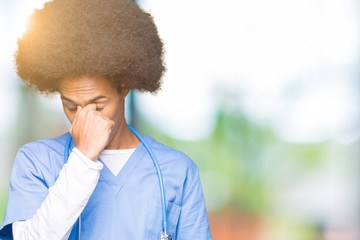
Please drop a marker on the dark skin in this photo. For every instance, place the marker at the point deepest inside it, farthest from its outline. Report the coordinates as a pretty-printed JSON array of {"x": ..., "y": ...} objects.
[{"x": 96, "y": 111}]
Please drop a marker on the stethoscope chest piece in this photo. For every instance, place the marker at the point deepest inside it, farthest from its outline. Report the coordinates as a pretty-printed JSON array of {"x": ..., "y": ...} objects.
[{"x": 164, "y": 236}]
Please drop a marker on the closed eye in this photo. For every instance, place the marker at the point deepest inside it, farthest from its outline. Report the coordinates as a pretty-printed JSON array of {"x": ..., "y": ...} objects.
[{"x": 74, "y": 109}]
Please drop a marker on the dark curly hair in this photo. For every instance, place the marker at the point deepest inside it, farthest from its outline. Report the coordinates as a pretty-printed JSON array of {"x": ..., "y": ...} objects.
[{"x": 72, "y": 38}]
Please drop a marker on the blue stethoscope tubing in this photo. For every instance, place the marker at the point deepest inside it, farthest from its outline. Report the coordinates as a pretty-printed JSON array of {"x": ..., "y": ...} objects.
[{"x": 156, "y": 165}]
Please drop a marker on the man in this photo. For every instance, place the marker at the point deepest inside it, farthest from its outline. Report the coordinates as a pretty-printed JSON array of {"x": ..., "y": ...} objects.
[{"x": 93, "y": 52}]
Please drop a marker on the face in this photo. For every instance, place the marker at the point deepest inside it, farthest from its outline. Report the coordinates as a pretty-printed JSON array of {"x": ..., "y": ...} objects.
[{"x": 82, "y": 91}]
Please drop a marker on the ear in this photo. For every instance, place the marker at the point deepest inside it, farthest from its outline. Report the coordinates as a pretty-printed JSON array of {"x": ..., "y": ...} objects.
[{"x": 125, "y": 91}]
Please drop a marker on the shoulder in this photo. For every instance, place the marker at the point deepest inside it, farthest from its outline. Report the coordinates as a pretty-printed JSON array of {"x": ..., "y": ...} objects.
[
  {"x": 168, "y": 156},
  {"x": 41, "y": 153},
  {"x": 38, "y": 162},
  {"x": 50, "y": 144}
]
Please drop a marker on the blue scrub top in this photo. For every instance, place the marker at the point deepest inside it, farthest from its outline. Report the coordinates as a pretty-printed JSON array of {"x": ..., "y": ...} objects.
[{"x": 126, "y": 206}]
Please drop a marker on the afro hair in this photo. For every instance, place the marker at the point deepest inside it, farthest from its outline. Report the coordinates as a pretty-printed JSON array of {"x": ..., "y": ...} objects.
[{"x": 72, "y": 38}]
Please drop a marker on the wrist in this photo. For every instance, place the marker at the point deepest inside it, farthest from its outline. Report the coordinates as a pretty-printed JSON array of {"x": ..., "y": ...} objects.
[
  {"x": 97, "y": 165},
  {"x": 88, "y": 153}
]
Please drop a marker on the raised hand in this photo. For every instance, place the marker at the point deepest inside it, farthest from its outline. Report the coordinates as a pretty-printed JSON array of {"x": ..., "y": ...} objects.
[{"x": 90, "y": 131}]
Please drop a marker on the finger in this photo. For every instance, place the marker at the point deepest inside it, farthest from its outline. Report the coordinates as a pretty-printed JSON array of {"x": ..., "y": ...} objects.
[
  {"x": 112, "y": 123},
  {"x": 90, "y": 106},
  {"x": 78, "y": 110}
]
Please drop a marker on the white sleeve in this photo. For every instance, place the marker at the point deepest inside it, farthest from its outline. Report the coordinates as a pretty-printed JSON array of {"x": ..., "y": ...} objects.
[{"x": 66, "y": 200}]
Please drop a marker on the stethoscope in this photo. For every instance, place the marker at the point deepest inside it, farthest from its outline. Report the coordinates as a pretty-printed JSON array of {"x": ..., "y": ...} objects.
[{"x": 163, "y": 234}]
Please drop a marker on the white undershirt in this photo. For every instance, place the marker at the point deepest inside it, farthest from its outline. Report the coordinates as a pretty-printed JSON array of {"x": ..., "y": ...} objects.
[
  {"x": 116, "y": 159},
  {"x": 69, "y": 195}
]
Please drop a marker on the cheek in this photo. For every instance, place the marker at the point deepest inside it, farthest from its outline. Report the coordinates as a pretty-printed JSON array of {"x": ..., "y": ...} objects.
[
  {"x": 70, "y": 116},
  {"x": 115, "y": 112}
]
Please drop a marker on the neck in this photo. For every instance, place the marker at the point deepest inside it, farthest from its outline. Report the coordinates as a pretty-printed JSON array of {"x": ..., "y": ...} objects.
[{"x": 123, "y": 138}]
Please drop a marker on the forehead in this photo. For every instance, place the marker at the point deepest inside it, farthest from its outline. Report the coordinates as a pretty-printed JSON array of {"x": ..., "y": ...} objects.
[
  {"x": 84, "y": 84},
  {"x": 86, "y": 89}
]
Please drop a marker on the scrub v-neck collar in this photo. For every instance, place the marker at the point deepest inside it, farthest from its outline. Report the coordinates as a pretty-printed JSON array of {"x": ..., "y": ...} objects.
[{"x": 117, "y": 182}]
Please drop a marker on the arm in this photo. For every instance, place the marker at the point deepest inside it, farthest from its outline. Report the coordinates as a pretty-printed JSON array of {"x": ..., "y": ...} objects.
[
  {"x": 193, "y": 222},
  {"x": 65, "y": 202},
  {"x": 28, "y": 189}
]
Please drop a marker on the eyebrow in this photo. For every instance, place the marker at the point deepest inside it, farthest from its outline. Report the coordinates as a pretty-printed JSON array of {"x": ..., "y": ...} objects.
[{"x": 91, "y": 100}]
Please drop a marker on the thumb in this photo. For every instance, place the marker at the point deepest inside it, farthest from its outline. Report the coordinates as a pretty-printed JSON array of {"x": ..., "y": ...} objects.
[
  {"x": 91, "y": 106},
  {"x": 78, "y": 110}
]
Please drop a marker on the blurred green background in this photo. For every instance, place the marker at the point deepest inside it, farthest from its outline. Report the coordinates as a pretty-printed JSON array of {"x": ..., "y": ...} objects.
[{"x": 262, "y": 95}]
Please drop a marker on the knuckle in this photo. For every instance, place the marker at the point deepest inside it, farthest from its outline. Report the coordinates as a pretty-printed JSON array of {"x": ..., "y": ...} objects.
[{"x": 109, "y": 124}]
